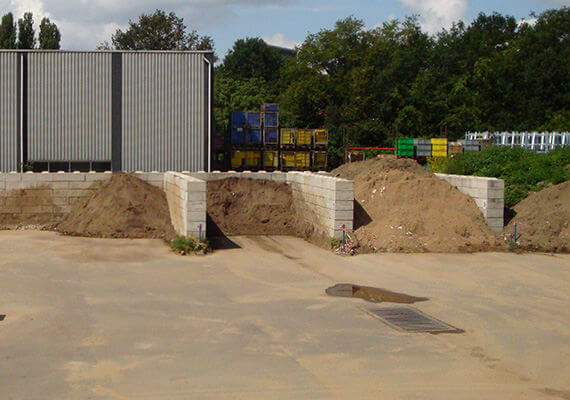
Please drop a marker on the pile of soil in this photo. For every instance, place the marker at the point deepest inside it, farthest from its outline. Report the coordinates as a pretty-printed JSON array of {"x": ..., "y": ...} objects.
[
  {"x": 543, "y": 220},
  {"x": 240, "y": 206},
  {"x": 123, "y": 207},
  {"x": 402, "y": 207}
]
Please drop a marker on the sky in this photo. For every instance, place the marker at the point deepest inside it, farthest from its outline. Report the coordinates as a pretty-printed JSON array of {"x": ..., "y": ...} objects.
[{"x": 86, "y": 23}]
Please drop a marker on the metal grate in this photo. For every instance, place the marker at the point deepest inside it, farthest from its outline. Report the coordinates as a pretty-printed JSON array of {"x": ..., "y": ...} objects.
[{"x": 411, "y": 320}]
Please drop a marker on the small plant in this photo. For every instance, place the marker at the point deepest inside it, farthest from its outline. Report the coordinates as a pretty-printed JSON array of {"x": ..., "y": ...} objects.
[
  {"x": 335, "y": 243},
  {"x": 189, "y": 245}
]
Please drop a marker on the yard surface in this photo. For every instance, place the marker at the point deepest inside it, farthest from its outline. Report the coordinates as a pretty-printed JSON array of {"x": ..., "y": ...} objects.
[{"x": 128, "y": 319}]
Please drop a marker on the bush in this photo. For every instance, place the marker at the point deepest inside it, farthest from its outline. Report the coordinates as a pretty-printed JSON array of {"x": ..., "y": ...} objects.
[
  {"x": 522, "y": 170},
  {"x": 189, "y": 245}
]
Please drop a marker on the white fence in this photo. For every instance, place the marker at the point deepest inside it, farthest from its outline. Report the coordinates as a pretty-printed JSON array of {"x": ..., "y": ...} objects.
[{"x": 537, "y": 141}]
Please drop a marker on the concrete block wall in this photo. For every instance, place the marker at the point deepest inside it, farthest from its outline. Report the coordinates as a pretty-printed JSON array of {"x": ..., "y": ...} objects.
[
  {"x": 186, "y": 198},
  {"x": 55, "y": 194},
  {"x": 324, "y": 201},
  {"x": 488, "y": 193}
]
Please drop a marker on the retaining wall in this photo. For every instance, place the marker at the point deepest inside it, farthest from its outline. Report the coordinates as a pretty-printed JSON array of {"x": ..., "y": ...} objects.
[
  {"x": 488, "y": 193},
  {"x": 54, "y": 194},
  {"x": 186, "y": 198},
  {"x": 324, "y": 201}
]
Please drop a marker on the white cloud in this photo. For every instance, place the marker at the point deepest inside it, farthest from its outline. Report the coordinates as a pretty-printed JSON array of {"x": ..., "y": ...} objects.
[
  {"x": 279, "y": 40},
  {"x": 86, "y": 23},
  {"x": 437, "y": 14},
  {"x": 530, "y": 21}
]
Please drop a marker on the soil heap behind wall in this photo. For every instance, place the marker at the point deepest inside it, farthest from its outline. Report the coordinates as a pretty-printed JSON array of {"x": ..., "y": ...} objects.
[
  {"x": 123, "y": 207},
  {"x": 543, "y": 220},
  {"x": 241, "y": 206},
  {"x": 401, "y": 207}
]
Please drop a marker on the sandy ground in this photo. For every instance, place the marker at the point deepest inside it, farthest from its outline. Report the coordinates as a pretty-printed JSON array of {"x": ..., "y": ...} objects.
[{"x": 128, "y": 319}]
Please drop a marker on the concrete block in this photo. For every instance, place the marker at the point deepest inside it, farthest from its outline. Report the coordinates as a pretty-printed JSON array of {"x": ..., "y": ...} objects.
[
  {"x": 96, "y": 176},
  {"x": 196, "y": 206},
  {"x": 493, "y": 213},
  {"x": 14, "y": 185},
  {"x": 199, "y": 216},
  {"x": 343, "y": 184},
  {"x": 13, "y": 177},
  {"x": 343, "y": 195},
  {"x": 343, "y": 215},
  {"x": 80, "y": 185}
]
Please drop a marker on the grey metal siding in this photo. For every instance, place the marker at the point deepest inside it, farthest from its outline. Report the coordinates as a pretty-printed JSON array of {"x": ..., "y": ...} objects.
[
  {"x": 164, "y": 107},
  {"x": 9, "y": 124},
  {"x": 69, "y": 106}
]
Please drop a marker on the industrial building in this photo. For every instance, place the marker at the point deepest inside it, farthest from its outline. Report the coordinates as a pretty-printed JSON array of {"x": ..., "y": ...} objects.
[{"x": 105, "y": 110}]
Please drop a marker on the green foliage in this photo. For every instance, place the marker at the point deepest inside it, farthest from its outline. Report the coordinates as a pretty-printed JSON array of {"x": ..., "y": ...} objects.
[
  {"x": 252, "y": 58},
  {"x": 236, "y": 95},
  {"x": 522, "y": 170},
  {"x": 8, "y": 32},
  {"x": 189, "y": 245},
  {"x": 26, "y": 32},
  {"x": 49, "y": 35},
  {"x": 159, "y": 31},
  {"x": 370, "y": 86}
]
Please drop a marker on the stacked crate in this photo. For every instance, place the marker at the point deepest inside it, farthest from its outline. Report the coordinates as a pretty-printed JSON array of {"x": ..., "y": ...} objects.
[
  {"x": 258, "y": 142},
  {"x": 405, "y": 147},
  {"x": 423, "y": 147},
  {"x": 471, "y": 145},
  {"x": 439, "y": 147}
]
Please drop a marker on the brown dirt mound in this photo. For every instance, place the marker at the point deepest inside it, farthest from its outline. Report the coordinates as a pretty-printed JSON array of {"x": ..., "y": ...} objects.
[
  {"x": 401, "y": 207},
  {"x": 238, "y": 206},
  {"x": 543, "y": 220},
  {"x": 123, "y": 207}
]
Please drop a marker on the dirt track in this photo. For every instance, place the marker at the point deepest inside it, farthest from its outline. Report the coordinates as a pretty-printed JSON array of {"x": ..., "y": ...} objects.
[{"x": 128, "y": 319}]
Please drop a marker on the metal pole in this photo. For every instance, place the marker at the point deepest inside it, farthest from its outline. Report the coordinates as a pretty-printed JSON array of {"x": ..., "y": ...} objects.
[
  {"x": 200, "y": 232},
  {"x": 343, "y": 237},
  {"x": 515, "y": 232}
]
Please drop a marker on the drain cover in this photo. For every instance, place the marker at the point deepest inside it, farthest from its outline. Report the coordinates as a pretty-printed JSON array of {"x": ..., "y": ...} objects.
[
  {"x": 2, "y": 316},
  {"x": 412, "y": 320}
]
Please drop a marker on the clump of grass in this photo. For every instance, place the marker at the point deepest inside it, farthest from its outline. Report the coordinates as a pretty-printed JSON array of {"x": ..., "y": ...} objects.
[
  {"x": 189, "y": 245},
  {"x": 335, "y": 243}
]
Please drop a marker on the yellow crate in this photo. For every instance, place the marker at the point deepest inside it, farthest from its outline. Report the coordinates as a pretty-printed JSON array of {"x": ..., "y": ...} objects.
[
  {"x": 238, "y": 158},
  {"x": 320, "y": 136},
  {"x": 252, "y": 158},
  {"x": 304, "y": 137},
  {"x": 320, "y": 159},
  {"x": 270, "y": 159},
  {"x": 288, "y": 135},
  {"x": 439, "y": 141},
  {"x": 303, "y": 159},
  {"x": 438, "y": 147},
  {"x": 288, "y": 159}
]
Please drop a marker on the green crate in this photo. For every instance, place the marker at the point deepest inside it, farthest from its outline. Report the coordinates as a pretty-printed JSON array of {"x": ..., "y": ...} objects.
[{"x": 405, "y": 141}]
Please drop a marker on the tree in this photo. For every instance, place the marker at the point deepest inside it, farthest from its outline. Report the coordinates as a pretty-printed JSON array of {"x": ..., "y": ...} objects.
[
  {"x": 26, "y": 32},
  {"x": 252, "y": 58},
  {"x": 8, "y": 32},
  {"x": 49, "y": 35},
  {"x": 160, "y": 31}
]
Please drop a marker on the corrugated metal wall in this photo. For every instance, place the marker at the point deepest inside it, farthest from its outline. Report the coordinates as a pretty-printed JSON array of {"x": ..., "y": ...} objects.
[
  {"x": 164, "y": 111},
  {"x": 69, "y": 106},
  {"x": 9, "y": 132}
]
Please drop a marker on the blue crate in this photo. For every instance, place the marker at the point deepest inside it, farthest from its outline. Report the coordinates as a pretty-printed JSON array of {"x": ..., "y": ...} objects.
[
  {"x": 238, "y": 118},
  {"x": 254, "y": 119},
  {"x": 271, "y": 119},
  {"x": 238, "y": 135},
  {"x": 271, "y": 135},
  {"x": 254, "y": 136},
  {"x": 270, "y": 107}
]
